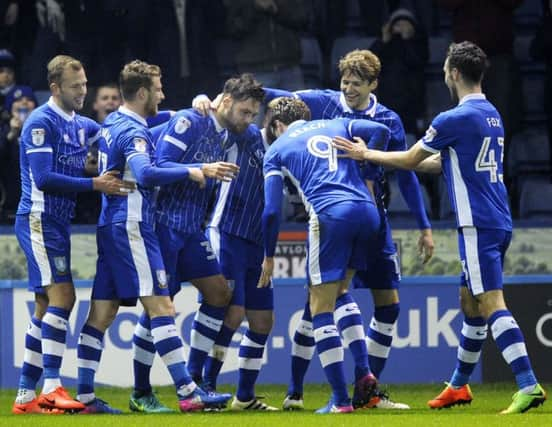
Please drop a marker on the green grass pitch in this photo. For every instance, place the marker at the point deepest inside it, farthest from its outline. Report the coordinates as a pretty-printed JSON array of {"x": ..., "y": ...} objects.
[{"x": 489, "y": 399}]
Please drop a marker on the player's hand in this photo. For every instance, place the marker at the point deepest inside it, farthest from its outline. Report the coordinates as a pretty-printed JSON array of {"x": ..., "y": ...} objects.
[
  {"x": 202, "y": 103},
  {"x": 266, "y": 274},
  {"x": 222, "y": 171},
  {"x": 355, "y": 150},
  {"x": 426, "y": 245},
  {"x": 108, "y": 183},
  {"x": 196, "y": 175}
]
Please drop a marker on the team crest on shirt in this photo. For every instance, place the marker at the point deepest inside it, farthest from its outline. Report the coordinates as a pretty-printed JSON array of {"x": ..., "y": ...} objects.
[
  {"x": 431, "y": 133},
  {"x": 82, "y": 138},
  {"x": 161, "y": 278},
  {"x": 182, "y": 125},
  {"x": 37, "y": 136},
  {"x": 140, "y": 145},
  {"x": 61, "y": 264}
]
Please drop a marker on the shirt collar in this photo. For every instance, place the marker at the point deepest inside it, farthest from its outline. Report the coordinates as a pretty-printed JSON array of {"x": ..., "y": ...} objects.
[
  {"x": 370, "y": 111},
  {"x": 124, "y": 110},
  {"x": 472, "y": 96},
  {"x": 218, "y": 126},
  {"x": 52, "y": 104}
]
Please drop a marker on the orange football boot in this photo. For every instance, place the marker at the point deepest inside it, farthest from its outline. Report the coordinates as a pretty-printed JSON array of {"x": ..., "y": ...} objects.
[
  {"x": 60, "y": 399},
  {"x": 452, "y": 396}
]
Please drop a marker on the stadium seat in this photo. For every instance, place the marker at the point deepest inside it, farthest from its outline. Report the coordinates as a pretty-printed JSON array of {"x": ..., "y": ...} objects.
[
  {"x": 311, "y": 63},
  {"x": 521, "y": 48},
  {"x": 345, "y": 44},
  {"x": 398, "y": 208},
  {"x": 226, "y": 50},
  {"x": 536, "y": 200},
  {"x": 438, "y": 46},
  {"x": 528, "y": 14},
  {"x": 437, "y": 97},
  {"x": 529, "y": 152},
  {"x": 532, "y": 84}
]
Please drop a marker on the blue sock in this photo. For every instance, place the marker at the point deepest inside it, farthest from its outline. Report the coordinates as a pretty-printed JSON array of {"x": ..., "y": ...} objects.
[
  {"x": 32, "y": 359},
  {"x": 330, "y": 352},
  {"x": 250, "y": 359},
  {"x": 143, "y": 355},
  {"x": 349, "y": 323},
  {"x": 54, "y": 333},
  {"x": 302, "y": 350},
  {"x": 89, "y": 353},
  {"x": 510, "y": 341},
  {"x": 206, "y": 326},
  {"x": 474, "y": 333},
  {"x": 380, "y": 336},
  {"x": 169, "y": 346},
  {"x": 216, "y": 358}
]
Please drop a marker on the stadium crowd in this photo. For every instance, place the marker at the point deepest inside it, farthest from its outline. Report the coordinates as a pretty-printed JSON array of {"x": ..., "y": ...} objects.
[{"x": 287, "y": 44}]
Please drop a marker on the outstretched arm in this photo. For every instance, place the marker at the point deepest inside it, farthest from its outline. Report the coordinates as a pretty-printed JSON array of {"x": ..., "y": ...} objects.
[{"x": 398, "y": 159}]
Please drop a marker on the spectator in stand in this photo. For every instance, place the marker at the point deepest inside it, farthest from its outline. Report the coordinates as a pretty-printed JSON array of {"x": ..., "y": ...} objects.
[
  {"x": 403, "y": 51},
  {"x": 7, "y": 78},
  {"x": 269, "y": 36},
  {"x": 489, "y": 24},
  {"x": 541, "y": 50},
  {"x": 19, "y": 103},
  {"x": 107, "y": 100}
]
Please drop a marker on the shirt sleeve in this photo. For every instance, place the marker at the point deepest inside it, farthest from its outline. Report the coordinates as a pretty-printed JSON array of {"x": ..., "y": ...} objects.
[
  {"x": 160, "y": 118},
  {"x": 272, "y": 164},
  {"x": 376, "y": 137},
  {"x": 175, "y": 140},
  {"x": 37, "y": 141},
  {"x": 439, "y": 135},
  {"x": 273, "y": 193},
  {"x": 92, "y": 129},
  {"x": 271, "y": 93}
]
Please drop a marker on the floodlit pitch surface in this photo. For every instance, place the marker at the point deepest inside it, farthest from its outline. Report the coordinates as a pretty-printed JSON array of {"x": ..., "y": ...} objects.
[{"x": 483, "y": 412}]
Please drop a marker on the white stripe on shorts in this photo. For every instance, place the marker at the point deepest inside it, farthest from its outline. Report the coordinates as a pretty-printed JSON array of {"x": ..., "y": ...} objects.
[
  {"x": 315, "y": 274},
  {"x": 472, "y": 260},
  {"x": 39, "y": 249},
  {"x": 140, "y": 258}
]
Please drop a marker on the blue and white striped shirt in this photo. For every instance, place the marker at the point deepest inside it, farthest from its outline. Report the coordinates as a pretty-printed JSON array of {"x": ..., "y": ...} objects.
[
  {"x": 125, "y": 135},
  {"x": 189, "y": 138},
  {"x": 49, "y": 129},
  {"x": 239, "y": 203}
]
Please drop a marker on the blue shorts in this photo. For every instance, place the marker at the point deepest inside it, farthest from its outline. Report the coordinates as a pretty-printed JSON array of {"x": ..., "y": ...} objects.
[
  {"x": 129, "y": 263},
  {"x": 187, "y": 256},
  {"x": 383, "y": 269},
  {"x": 482, "y": 254},
  {"x": 241, "y": 264},
  {"x": 46, "y": 244},
  {"x": 338, "y": 239}
]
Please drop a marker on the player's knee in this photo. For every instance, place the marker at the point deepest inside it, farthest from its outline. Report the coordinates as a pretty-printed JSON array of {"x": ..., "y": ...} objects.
[
  {"x": 234, "y": 316},
  {"x": 62, "y": 295},
  {"x": 262, "y": 324},
  {"x": 41, "y": 305}
]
